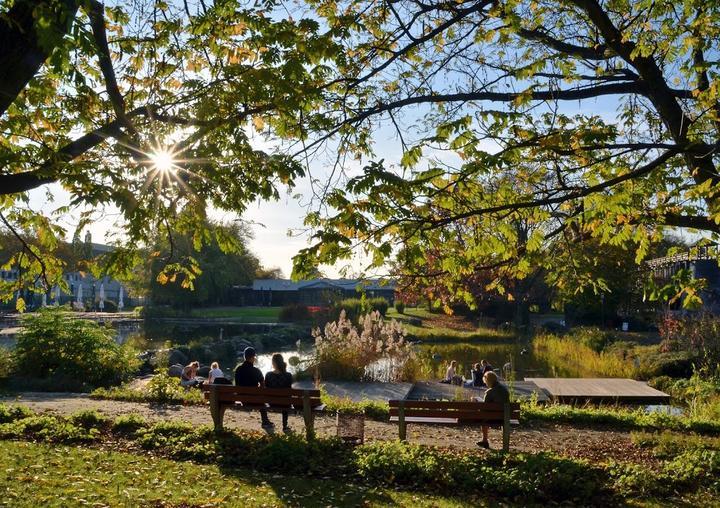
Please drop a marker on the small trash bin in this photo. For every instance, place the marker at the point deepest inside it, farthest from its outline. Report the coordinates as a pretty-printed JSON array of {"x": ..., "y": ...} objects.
[{"x": 351, "y": 427}]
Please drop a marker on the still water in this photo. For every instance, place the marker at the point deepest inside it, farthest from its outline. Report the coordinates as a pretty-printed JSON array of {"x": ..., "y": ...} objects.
[{"x": 434, "y": 357}]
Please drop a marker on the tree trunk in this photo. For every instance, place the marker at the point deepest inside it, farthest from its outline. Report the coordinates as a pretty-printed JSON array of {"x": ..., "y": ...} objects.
[{"x": 24, "y": 46}]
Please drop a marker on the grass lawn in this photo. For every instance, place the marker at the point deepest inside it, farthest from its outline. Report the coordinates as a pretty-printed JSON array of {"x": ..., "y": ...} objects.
[
  {"x": 46, "y": 475},
  {"x": 247, "y": 314},
  {"x": 440, "y": 327}
]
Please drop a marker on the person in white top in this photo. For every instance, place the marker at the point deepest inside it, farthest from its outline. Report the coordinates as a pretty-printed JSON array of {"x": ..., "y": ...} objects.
[
  {"x": 450, "y": 373},
  {"x": 215, "y": 372}
]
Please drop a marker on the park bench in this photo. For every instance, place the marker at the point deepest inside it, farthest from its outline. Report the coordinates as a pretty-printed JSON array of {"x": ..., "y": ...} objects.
[
  {"x": 223, "y": 397},
  {"x": 455, "y": 413}
]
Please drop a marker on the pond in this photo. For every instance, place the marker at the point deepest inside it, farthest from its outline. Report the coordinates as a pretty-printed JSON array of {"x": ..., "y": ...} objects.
[
  {"x": 519, "y": 356},
  {"x": 434, "y": 356}
]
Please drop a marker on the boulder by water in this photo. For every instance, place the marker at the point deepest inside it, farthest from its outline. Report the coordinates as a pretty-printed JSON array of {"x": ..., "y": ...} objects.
[
  {"x": 175, "y": 356},
  {"x": 175, "y": 370}
]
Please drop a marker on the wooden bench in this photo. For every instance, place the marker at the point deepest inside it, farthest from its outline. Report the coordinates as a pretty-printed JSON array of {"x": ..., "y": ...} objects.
[
  {"x": 449, "y": 413},
  {"x": 222, "y": 397}
]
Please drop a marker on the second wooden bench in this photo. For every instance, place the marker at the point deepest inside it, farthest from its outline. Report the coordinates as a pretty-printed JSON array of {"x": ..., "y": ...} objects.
[{"x": 455, "y": 413}]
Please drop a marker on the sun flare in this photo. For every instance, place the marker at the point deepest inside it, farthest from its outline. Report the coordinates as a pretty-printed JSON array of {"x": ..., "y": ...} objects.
[{"x": 163, "y": 160}]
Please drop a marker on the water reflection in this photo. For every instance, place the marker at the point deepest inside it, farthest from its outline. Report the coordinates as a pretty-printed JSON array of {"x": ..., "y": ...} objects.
[{"x": 434, "y": 358}]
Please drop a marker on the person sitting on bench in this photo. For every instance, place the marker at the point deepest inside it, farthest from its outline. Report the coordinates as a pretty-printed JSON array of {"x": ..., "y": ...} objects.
[
  {"x": 246, "y": 374},
  {"x": 496, "y": 392},
  {"x": 279, "y": 377}
]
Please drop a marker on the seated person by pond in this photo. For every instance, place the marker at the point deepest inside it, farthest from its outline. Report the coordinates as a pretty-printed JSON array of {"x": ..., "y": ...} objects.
[
  {"x": 246, "y": 374},
  {"x": 496, "y": 392},
  {"x": 216, "y": 375},
  {"x": 279, "y": 377},
  {"x": 477, "y": 374},
  {"x": 189, "y": 375},
  {"x": 450, "y": 375},
  {"x": 486, "y": 367}
]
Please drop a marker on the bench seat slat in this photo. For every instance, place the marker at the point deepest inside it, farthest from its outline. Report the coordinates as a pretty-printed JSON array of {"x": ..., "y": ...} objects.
[
  {"x": 465, "y": 415},
  {"x": 441, "y": 404},
  {"x": 420, "y": 419},
  {"x": 260, "y": 399},
  {"x": 251, "y": 390},
  {"x": 462, "y": 415}
]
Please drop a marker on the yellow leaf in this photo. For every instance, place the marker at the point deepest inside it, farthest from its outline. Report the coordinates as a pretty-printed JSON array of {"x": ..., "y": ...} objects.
[{"x": 258, "y": 122}]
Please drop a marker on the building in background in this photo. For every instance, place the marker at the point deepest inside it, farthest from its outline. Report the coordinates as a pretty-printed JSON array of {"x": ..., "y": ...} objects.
[
  {"x": 90, "y": 293},
  {"x": 315, "y": 292}
]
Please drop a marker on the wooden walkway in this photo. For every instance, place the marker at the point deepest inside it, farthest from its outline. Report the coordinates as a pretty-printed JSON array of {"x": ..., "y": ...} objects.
[{"x": 598, "y": 390}]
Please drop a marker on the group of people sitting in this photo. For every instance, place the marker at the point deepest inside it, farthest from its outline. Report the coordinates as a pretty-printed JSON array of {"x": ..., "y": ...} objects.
[
  {"x": 246, "y": 374},
  {"x": 478, "y": 372}
]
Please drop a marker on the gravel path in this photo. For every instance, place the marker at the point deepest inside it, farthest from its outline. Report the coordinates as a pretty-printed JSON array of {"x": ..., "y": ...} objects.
[{"x": 595, "y": 444}]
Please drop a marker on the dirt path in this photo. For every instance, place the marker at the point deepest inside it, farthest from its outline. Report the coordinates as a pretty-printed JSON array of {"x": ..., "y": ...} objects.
[{"x": 598, "y": 445}]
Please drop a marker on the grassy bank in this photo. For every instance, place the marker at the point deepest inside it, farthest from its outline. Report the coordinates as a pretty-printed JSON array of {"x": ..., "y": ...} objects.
[
  {"x": 73, "y": 476},
  {"x": 422, "y": 324},
  {"x": 246, "y": 314},
  {"x": 192, "y": 465}
]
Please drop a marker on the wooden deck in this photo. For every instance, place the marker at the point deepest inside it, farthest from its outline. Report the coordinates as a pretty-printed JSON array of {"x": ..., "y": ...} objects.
[{"x": 598, "y": 390}]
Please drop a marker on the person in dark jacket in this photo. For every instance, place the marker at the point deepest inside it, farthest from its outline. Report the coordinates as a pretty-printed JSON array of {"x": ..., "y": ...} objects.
[
  {"x": 279, "y": 377},
  {"x": 496, "y": 392},
  {"x": 246, "y": 374}
]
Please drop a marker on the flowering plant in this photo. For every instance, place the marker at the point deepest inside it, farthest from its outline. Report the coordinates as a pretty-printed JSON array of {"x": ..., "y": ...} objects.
[{"x": 374, "y": 350}]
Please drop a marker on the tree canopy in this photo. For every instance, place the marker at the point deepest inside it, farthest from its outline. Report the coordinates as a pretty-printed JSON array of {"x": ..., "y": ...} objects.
[
  {"x": 580, "y": 119},
  {"x": 583, "y": 119},
  {"x": 150, "y": 107}
]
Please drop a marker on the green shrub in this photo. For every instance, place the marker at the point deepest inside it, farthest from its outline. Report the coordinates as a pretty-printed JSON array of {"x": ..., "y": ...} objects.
[
  {"x": 356, "y": 307},
  {"x": 294, "y": 313},
  {"x": 7, "y": 360},
  {"x": 592, "y": 337},
  {"x": 48, "y": 428},
  {"x": 11, "y": 413},
  {"x": 617, "y": 417},
  {"x": 529, "y": 477},
  {"x": 372, "y": 409},
  {"x": 164, "y": 390},
  {"x": 673, "y": 364},
  {"x": 129, "y": 424},
  {"x": 400, "y": 307},
  {"x": 53, "y": 344},
  {"x": 89, "y": 419},
  {"x": 631, "y": 480}
]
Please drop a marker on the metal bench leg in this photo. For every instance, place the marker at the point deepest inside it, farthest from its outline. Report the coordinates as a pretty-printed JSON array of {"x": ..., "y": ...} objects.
[
  {"x": 402, "y": 424},
  {"x": 506, "y": 428}
]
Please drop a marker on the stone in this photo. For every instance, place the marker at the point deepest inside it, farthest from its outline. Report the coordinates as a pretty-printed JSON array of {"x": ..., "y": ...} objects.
[
  {"x": 175, "y": 356},
  {"x": 175, "y": 370}
]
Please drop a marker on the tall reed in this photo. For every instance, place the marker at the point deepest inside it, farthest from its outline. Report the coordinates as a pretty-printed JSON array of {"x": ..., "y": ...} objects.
[{"x": 579, "y": 360}]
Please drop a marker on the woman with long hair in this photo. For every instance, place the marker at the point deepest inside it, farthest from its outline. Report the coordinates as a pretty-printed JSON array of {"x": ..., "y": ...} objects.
[{"x": 279, "y": 377}]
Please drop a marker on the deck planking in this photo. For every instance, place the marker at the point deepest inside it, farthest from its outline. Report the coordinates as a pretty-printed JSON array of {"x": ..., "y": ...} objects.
[{"x": 600, "y": 390}]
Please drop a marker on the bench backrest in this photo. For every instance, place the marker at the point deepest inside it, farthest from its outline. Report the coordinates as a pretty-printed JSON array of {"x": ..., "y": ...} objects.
[
  {"x": 249, "y": 396},
  {"x": 490, "y": 412}
]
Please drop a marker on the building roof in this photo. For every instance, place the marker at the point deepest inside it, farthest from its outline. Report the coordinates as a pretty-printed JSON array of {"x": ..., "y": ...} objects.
[{"x": 344, "y": 284}]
